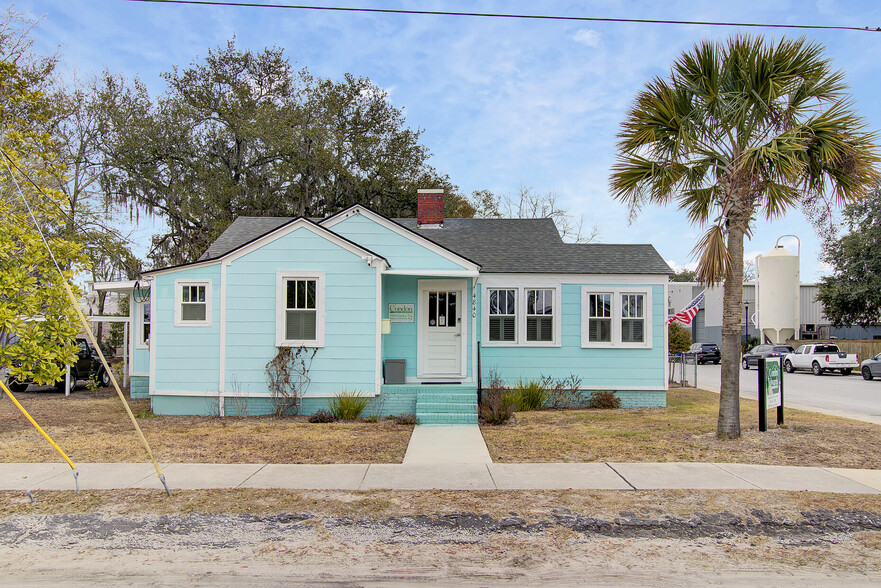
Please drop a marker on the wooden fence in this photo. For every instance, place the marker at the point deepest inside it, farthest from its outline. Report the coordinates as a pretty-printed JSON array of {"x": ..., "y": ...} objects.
[{"x": 864, "y": 348}]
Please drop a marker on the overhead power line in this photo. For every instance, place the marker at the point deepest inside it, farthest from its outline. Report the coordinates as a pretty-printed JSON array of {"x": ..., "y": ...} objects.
[{"x": 517, "y": 16}]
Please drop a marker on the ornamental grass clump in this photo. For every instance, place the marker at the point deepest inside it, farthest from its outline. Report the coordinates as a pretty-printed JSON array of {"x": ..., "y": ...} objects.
[
  {"x": 348, "y": 406},
  {"x": 531, "y": 395}
]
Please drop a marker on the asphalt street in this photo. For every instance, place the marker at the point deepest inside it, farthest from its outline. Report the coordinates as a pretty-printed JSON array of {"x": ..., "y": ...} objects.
[{"x": 848, "y": 396}]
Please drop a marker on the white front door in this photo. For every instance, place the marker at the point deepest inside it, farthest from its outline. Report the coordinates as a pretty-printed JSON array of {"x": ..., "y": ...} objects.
[{"x": 442, "y": 319}]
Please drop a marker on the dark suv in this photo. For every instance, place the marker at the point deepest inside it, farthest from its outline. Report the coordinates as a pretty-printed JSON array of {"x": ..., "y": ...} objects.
[
  {"x": 705, "y": 352},
  {"x": 87, "y": 365}
]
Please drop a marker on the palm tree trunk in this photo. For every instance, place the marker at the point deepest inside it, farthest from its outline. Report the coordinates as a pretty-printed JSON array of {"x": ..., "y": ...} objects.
[{"x": 732, "y": 310}]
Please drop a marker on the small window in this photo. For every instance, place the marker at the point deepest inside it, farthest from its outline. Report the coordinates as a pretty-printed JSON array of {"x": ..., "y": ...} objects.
[
  {"x": 502, "y": 315},
  {"x": 192, "y": 303},
  {"x": 599, "y": 328},
  {"x": 145, "y": 323},
  {"x": 540, "y": 315},
  {"x": 300, "y": 309},
  {"x": 632, "y": 318},
  {"x": 301, "y": 312}
]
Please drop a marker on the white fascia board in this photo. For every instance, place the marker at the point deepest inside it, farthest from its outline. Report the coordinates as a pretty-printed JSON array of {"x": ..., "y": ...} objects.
[
  {"x": 581, "y": 279},
  {"x": 161, "y": 272},
  {"x": 396, "y": 228},
  {"x": 433, "y": 273},
  {"x": 316, "y": 229},
  {"x": 124, "y": 286}
]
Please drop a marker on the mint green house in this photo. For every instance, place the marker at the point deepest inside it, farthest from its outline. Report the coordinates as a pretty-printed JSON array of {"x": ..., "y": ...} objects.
[{"x": 397, "y": 309}]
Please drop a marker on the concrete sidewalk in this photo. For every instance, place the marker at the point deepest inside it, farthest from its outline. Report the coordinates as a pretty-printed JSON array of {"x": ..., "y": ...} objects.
[{"x": 444, "y": 476}]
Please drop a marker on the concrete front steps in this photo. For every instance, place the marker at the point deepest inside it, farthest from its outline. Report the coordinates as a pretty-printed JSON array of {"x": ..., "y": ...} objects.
[{"x": 453, "y": 404}]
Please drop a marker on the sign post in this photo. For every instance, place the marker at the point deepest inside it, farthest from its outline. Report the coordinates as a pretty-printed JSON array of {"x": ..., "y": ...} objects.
[{"x": 770, "y": 391}]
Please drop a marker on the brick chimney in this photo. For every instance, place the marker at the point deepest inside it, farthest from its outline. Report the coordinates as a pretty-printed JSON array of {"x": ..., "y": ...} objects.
[{"x": 430, "y": 208}]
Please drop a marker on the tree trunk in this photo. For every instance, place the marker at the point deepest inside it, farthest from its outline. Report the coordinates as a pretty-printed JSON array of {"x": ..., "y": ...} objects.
[{"x": 732, "y": 310}]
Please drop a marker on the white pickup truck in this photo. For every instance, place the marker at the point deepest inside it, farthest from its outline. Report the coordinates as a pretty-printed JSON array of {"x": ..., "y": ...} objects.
[{"x": 820, "y": 358}]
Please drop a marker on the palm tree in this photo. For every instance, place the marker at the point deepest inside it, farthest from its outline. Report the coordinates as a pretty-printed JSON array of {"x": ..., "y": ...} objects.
[{"x": 742, "y": 128}]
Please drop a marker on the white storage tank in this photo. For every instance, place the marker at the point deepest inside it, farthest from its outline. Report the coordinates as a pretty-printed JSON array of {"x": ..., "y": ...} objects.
[{"x": 777, "y": 294}]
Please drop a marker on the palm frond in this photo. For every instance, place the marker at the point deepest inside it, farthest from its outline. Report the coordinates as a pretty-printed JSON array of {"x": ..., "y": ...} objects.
[{"x": 714, "y": 261}]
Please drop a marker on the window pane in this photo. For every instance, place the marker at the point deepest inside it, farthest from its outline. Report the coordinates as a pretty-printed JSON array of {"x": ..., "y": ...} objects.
[
  {"x": 301, "y": 293},
  {"x": 300, "y": 325},
  {"x": 201, "y": 293},
  {"x": 185, "y": 295},
  {"x": 310, "y": 293},
  {"x": 192, "y": 312},
  {"x": 501, "y": 328},
  {"x": 441, "y": 309},
  {"x": 146, "y": 310},
  {"x": 599, "y": 330},
  {"x": 451, "y": 313},
  {"x": 291, "y": 298},
  {"x": 494, "y": 307},
  {"x": 632, "y": 331},
  {"x": 509, "y": 296},
  {"x": 530, "y": 301},
  {"x": 432, "y": 309},
  {"x": 639, "y": 309},
  {"x": 539, "y": 329}
]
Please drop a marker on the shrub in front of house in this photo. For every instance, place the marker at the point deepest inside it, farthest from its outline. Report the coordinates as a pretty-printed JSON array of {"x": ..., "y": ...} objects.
[
  {"x": 405, "y": 418},
  {"x": 603, "y": 399},
  {"x": 321, "y": 416},
  {"x": 348, "y": 406},
  {"x": 497, "y": 403},
  {"x": 531, "y": 395}
]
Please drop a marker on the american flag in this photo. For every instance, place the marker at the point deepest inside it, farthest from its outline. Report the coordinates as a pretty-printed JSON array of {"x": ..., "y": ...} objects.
[{"x": 686, "y": 314}]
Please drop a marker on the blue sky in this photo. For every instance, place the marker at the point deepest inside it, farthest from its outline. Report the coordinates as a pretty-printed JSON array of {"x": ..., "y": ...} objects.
[{"x": 503, "y": 103}]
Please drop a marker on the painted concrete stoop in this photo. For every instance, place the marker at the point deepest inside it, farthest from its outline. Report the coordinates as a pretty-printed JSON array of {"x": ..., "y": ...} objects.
[{"x": 447, "y": 405}]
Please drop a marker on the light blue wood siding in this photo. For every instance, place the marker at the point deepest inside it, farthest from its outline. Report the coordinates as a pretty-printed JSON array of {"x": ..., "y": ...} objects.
[
  {"x": 188, "y": 357},
  {"x": 606, "y": 369},
  {"x": 401, "y": 343},
  {"x": 401, "y": 252},
  {"x": 348, "y": 359}
]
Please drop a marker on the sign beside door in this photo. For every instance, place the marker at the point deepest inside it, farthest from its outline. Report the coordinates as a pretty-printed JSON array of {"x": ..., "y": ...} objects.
[{"x": 401, "y": 313}]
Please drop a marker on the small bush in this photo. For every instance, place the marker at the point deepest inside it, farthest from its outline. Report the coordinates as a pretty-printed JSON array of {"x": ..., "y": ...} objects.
[
  {"x": 321, "y": 416},
  {"x": 603, "y": 399},
  {"x": 348, "y": 406},
  {"x": 497, "y": 402},
  {"x": 405, "y": 418},
  {"x": 565, "y": 392},
  {"x": 531, "y": 395}
]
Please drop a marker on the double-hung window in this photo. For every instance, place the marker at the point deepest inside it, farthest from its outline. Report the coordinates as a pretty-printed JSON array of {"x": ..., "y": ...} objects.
[
  {"x": 599, "y": 318},
  {"x": 616, "y": 317},
  {"x": 503, "y": 315},
  {"x": 540, "y": 315},
  {"x": 632, "y": 318},
  {"x": 143, "y": 324},
  {"x": 300, "y": 309},
  {"x": 192, "y": 304},
  {"x": 525, "y": 315}
]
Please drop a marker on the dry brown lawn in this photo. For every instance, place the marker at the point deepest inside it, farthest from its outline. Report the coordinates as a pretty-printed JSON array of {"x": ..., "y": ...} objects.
[
  {"x": 93, "y": 427},
  {"x": 684, "y": 431}
]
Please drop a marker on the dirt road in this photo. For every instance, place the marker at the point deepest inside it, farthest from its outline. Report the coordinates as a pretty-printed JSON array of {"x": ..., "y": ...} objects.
[{"x": 748, "y": 547}]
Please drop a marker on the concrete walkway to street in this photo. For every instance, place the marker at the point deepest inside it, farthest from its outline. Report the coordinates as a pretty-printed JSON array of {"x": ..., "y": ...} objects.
[
  {"x": 445, "y": 476},
  {"x": 447, "y": 444}
]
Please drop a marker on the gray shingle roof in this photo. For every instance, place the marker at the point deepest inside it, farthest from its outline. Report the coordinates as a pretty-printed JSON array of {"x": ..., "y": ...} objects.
[
  {"x": 534, "y": 246},
  {"x": 497, "y": 245}
]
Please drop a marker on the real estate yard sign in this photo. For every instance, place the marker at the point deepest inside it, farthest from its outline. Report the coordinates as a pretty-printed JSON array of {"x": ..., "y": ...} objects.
[{"x": 770, "y": 391}]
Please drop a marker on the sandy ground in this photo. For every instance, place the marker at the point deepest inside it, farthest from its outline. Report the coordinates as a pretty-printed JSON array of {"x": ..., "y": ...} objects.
[{"x": 466, "y": 549}]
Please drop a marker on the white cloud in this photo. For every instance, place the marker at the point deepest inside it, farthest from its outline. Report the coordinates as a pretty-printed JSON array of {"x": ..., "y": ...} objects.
[
  {"x": 691, "y": 266},
  {"x": 588, "y": 37}
]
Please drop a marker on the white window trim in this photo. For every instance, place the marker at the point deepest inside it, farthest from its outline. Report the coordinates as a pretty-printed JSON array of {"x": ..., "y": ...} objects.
[
  {"x": 280, "y": 305},
  {"x": 616, "y": 317},
  {"x": 178, "y": 300},
  {"x": 520, "y": 314},
  {"x": 139, "y": 335}
]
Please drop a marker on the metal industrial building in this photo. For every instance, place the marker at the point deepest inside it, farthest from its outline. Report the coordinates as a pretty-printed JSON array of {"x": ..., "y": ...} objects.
[{"x": 707, "y": 325}]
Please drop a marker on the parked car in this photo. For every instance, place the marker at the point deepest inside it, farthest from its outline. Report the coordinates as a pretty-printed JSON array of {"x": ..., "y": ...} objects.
[
  {"x": 87, "y": 365},
  {"x": 752, "y": 357},
  {"x": 820, "y": 358},
  {"x": 705, "y": 352},
  {"x": 871, "y": 368}
]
